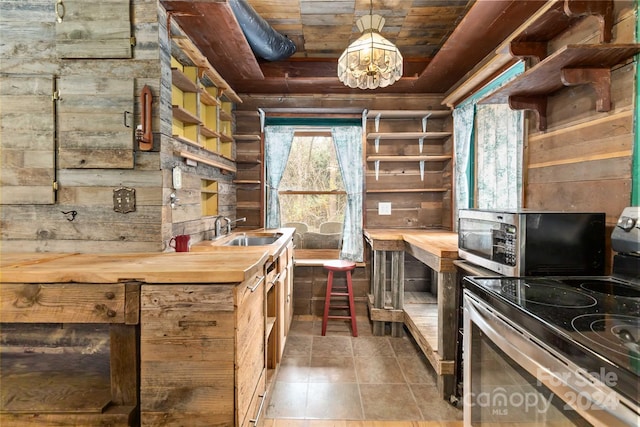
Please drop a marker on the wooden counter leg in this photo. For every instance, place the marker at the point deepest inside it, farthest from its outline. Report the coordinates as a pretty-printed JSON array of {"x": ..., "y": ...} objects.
[
  {"x": 378, "y": 281},
  {"x": 448, "y": 329},
  {"x": 397, "y": 289}
]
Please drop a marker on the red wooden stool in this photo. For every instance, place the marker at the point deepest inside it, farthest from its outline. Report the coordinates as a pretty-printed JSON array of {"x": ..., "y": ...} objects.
[{"x": 347, "y": 267}]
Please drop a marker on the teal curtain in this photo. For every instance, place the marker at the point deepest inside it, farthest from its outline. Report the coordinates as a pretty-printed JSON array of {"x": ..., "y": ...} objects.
[
  {"x": 348, "y": 143},
  {"x": 499, "y": 142},
  {"x": 277, "y": 146},
  {"x": 463, "y": 121}
]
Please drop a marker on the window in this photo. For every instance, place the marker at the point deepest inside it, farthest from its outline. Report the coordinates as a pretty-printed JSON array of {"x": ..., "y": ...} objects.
[{"x": 312, "y": 195}]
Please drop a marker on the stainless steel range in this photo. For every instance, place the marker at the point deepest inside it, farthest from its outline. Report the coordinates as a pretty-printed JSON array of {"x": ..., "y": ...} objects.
[{"x": 550, "y": 350}]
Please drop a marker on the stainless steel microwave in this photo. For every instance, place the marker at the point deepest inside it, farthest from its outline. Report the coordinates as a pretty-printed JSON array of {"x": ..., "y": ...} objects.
[{"x": 533, "y": 243}]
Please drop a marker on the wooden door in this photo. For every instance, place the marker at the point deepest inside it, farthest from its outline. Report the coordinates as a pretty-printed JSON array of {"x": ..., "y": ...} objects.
[
  {"x": 93, "y": 29},
  {"x": 27, "y": 144},
  {"x": 95, "y": 125}
]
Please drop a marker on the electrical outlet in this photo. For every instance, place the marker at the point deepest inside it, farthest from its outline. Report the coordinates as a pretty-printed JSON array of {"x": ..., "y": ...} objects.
[{"x": 384, "y": 208}]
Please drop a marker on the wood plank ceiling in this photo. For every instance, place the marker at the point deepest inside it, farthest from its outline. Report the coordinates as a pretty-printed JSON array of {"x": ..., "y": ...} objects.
[{"x": 440, "y": 40}]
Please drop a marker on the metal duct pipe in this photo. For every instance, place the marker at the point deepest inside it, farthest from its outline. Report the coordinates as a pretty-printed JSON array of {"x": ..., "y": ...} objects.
[{"x": 264, "y": 40}]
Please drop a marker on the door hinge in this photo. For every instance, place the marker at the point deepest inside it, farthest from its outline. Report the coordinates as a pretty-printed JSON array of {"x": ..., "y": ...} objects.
[
  {"x": 56, "y": 95},
  {"x": 132, "y": 41},
  {"x": 55, "y": 185}
]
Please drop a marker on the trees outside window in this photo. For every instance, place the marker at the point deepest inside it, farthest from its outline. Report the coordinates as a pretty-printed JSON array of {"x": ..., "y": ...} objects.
[{"x": 312, "y": 191}]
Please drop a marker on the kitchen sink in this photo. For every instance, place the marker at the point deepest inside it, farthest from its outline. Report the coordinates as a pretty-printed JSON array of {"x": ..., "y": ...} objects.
[{"x": 248, "y": 240}]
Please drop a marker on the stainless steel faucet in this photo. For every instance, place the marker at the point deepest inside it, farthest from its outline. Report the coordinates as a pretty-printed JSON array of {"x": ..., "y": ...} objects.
[
  {"x": 229, "y": 222},
  {"x": 218, "y": 224}
]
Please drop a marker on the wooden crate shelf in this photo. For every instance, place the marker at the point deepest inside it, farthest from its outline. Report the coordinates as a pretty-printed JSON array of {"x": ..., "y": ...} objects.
[{"x": 185, "y": 116}]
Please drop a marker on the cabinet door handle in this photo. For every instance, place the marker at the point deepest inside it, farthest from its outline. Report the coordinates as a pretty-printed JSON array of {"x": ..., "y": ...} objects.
[
  {"x": 253, "y": 289},
  {"x": 257, "y": 418},
  {"x": 275, "y": 279}
]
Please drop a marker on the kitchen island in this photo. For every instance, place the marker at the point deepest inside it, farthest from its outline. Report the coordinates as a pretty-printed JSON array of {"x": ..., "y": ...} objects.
[
  {"x": 430, "y": 318},
  {"x": 177, "y": 327}
]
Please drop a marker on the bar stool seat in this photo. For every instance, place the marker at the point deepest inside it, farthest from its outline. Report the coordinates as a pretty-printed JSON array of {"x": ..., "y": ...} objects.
[{"x": 339, "y": 266}]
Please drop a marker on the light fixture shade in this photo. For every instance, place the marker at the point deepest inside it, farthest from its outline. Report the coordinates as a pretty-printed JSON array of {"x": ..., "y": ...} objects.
[{"x": 371, "y": 61}]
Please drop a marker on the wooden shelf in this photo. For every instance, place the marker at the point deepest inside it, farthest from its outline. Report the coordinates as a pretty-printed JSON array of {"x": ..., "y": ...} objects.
[
  {"x": 408, "y": 135},
  {"x": 209, "y": 133},
  {"x": 248, "y": 157},
  {"x": 271, "y": 322},
  {"x": 182, "y": 82},
  {"x": 572, "y": 65},
  {"x": 407, "y": 114},
  {"x": 248, "y": 205},
  {"x": 246, "y": 182},
  {"x": 529, "y": 40},
  {"x": 418, "y": 158},
  {"x": 208, "y": 99},
  {"x": 202, "y": 62},
  {"x": 409, "y": 190},
  {"x": 224, "y": 137},
  {"x": 551, "y": 20},
  {"x": 185, "y": 116},
  {"x": 206, "y": 161},
  {"x": 247, "y": 138},
  {"x": 421, "y": 320},
  {"x": 224, "y": 116},
  {"x": 187, "y": 141}
]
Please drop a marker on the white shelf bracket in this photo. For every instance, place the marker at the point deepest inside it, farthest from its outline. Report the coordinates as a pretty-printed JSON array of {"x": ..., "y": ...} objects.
[
  {"x": 421, "y": 143},
  {"x": 421, "y": 170},
  {"x": 377, "y": 122},
  {"x": 377, "y": 166},
  {"x": 377, "y": 143},
  {"x": 424, "y": 123}
]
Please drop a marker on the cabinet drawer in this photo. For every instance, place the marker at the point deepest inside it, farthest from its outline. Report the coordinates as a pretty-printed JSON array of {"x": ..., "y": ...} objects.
[
  {"x": 62, "y": 303},
  {"x": 256, "y": 406},
  {"x": 250, "y": 359}
]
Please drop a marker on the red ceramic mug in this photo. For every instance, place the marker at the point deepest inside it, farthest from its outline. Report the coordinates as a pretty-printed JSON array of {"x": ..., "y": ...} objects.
[{"x": 180, "y": 243}]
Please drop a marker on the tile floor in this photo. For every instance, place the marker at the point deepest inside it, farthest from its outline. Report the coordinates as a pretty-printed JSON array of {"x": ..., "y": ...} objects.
[{"x": 339, "y": 377}]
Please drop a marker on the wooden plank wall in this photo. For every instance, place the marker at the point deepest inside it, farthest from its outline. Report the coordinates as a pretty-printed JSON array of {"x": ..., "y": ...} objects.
[
  {"x": 416, "y": 209},
  {"x": 80, "y": 217},
  {"x": 583, "y": 160}
]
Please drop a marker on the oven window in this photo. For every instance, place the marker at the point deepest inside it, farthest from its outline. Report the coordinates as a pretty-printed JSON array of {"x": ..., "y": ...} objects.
[{"x": 503, "y": 393}]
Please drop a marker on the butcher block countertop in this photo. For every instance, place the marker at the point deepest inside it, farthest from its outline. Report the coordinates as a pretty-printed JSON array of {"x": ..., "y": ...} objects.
[
  {"x": 443, "y": 244},
  {"x": 157, "y": 267}
]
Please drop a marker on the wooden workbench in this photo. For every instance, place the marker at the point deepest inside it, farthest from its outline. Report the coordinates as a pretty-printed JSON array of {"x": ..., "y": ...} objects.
[{"x": 428, "y": 318}]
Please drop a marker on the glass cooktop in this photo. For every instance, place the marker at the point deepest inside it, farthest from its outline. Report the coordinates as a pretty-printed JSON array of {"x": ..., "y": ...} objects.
[{"x": 593, "y": 321}]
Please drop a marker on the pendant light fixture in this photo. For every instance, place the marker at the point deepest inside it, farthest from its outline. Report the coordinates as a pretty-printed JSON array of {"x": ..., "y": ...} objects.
[{"x": 371, "y": 61}]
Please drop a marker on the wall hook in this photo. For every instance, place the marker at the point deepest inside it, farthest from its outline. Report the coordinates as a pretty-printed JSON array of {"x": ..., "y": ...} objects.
[{"x": 71, "y": 215}]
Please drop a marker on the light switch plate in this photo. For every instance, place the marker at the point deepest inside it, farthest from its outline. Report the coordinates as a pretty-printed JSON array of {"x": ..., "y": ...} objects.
[{"x": 384, "y": 208}]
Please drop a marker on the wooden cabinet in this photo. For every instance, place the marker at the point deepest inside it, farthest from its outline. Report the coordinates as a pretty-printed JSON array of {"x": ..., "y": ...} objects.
[
  {"x": 81, "y": 366},
  {"x": 202, "y": 352},
  {"x": 408, "y": 164}
]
